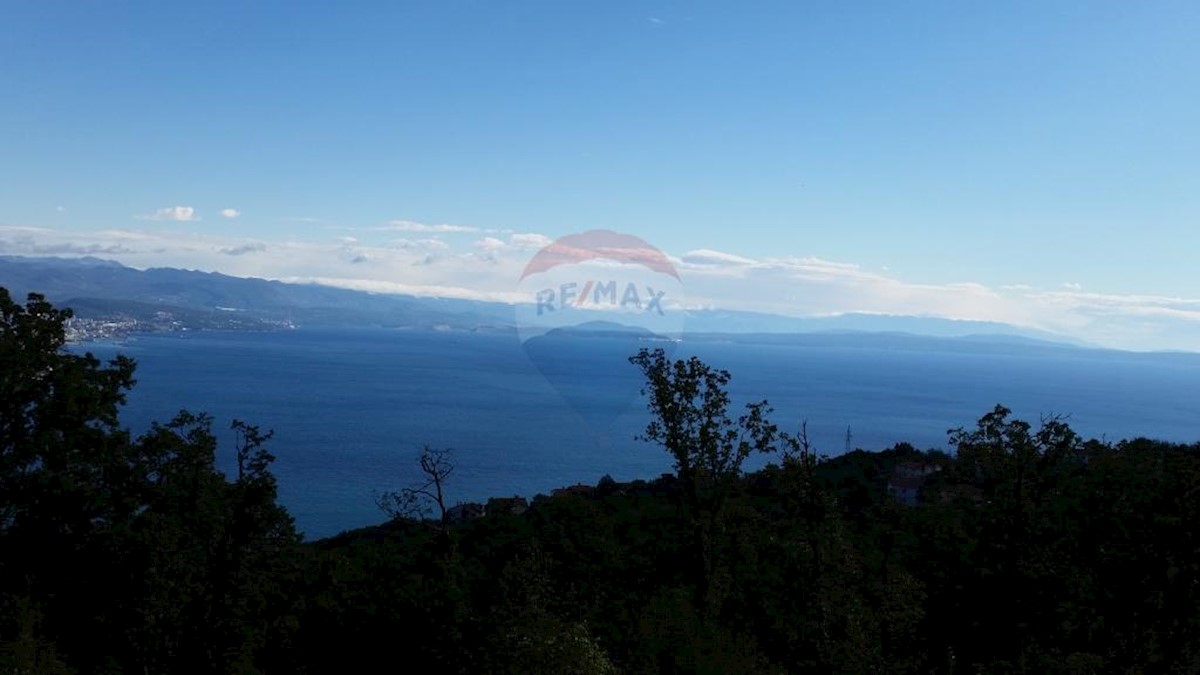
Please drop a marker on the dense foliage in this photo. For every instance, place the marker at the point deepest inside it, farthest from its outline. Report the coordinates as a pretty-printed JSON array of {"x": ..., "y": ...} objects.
[{"x": 1030, "y": 550}]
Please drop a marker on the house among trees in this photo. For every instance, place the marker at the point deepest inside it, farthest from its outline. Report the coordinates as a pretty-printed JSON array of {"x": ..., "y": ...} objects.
[
  {"x": 969, "y": 494},
  {"x": 509, "y": 506},
  {"x": 464, "y": 512},
  {"x": 579, "y": 489},
  {"x": 907, "y": 480}
]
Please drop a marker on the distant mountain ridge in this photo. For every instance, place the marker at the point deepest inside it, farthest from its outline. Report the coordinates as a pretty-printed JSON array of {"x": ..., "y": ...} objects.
[
  {"x": 603, "y": 328},
  {"x": 100, "y": 289},
  {"x": 718, "y": 321}
]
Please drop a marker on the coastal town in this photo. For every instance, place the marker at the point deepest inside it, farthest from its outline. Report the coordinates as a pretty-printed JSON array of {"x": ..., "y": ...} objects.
[{"x": 121, "y": 326}]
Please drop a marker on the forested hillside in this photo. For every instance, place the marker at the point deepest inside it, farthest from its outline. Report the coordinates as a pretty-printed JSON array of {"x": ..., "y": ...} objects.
[{"x": 1029, "y": 550}]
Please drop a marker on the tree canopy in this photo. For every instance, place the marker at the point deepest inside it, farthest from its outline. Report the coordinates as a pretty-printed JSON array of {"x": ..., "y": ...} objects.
[{"x": 1028, "y": 549}]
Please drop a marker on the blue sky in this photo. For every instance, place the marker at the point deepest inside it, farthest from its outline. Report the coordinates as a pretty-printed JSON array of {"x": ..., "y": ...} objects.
[{"x": 1028, "y": 162}]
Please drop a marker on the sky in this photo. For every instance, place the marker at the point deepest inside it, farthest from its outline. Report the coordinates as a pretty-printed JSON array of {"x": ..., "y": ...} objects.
[{"x": 1027, "y": 162}]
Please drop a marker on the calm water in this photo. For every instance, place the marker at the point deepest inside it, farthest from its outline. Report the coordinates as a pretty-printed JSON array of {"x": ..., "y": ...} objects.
[{"x": 351, "y": 407}]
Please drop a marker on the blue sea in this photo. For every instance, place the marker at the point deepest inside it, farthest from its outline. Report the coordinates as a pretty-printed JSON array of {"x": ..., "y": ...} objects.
[{"x": 351, "y": 408}]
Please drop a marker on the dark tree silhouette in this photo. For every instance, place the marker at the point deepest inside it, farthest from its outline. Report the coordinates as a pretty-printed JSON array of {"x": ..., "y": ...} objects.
[
  {"x": 689, "y": 408},
  {"x": 427, "y": 497}
]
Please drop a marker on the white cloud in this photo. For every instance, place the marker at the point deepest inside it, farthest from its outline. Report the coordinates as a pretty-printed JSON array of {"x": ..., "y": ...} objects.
[
  {"x": 708, "y": 257},
  {"x": 421, "y": 244},
  {"x": 182, "y": 214},
  {"x": 230, "y": 213},
  {"x": 243, "y": 249},
  {"x": 490, "y": 244},
  {"x": 807, "y": 286},
  {"x": 522, "y": 243},
  {"x": 530, "y": 241},
  {"x": 398, "y": 288},
  {"x": 410, "y": 226}
]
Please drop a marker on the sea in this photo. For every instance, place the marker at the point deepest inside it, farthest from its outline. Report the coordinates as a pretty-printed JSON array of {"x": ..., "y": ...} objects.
[{"x": 351, "y": 408}]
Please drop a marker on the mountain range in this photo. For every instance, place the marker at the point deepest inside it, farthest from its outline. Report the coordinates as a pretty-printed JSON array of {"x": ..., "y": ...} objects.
[{"x": 104, "y": 290}]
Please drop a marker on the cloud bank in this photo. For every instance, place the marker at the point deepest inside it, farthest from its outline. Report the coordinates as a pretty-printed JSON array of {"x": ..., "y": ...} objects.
[{"x": 489, "y": 268}]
